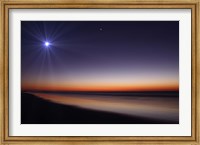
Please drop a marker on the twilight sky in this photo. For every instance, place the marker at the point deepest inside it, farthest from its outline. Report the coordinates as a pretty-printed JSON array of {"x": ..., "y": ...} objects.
[{"x": 100, "y": 55}]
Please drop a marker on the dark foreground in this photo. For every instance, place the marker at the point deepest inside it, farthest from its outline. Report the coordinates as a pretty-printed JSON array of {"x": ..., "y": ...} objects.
[{"x": 35, "y": 110}]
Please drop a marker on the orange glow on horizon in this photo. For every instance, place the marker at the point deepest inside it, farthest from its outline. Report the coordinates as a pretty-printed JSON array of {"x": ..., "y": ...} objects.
[{"x": 114, "y": 87}]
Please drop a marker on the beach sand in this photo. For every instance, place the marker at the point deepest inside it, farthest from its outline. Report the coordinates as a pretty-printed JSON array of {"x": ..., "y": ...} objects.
[{"x": 35, "y": 110}]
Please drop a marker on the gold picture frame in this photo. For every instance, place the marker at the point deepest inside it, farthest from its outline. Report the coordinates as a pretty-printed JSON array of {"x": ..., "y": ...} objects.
[{"x": 127, "y": 4}]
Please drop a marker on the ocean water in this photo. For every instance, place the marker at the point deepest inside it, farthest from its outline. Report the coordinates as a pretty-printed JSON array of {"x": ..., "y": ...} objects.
[{"x": 164, "y": 106}]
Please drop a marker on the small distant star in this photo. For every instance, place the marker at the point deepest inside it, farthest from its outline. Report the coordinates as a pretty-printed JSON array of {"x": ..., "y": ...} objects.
[{"x": 101, "y": 29}]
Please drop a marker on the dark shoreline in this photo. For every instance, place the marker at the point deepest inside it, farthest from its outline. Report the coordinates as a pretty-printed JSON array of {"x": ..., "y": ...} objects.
[
  {"x": 35, "y": 110},
  {"x": 116, "y": 93}
]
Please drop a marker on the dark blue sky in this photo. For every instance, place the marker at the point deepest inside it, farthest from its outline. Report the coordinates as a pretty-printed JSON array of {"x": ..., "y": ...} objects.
[{"x": 95, "y": 55}]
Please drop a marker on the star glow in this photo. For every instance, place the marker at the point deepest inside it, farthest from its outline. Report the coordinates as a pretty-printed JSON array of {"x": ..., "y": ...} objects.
[{"x": 47, "y": 44}]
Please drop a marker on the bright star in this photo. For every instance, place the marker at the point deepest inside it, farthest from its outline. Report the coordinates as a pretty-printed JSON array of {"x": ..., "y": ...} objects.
[{"x": 46, "y": 44}]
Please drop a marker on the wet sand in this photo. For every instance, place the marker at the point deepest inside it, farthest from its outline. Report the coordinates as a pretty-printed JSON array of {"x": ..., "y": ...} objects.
[{"x": 41, "y": 110}]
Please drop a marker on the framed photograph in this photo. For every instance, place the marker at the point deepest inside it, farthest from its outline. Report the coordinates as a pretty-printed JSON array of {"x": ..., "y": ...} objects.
[{"x": 99, "y": 72}]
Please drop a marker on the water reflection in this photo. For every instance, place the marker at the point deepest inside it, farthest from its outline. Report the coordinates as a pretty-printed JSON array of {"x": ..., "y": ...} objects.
[{"x": 158, "y": 107}]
